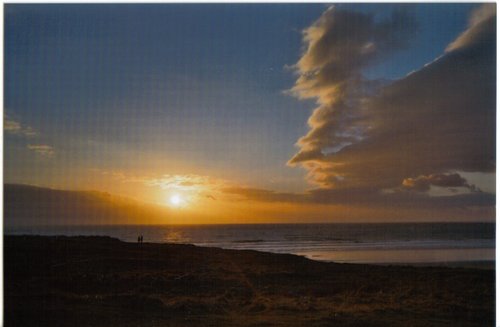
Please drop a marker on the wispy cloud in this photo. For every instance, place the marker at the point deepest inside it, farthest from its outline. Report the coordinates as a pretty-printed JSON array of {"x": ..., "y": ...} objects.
[
  {"x": 201, "y": 185},
  {"x": 42, "y": 149},
  {"x": 187, "y": 182},
  {"x": 14, "y": 127}
]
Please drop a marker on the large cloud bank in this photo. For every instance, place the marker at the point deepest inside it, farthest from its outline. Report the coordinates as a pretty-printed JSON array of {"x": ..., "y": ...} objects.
[{"x": 373, "y": 141}]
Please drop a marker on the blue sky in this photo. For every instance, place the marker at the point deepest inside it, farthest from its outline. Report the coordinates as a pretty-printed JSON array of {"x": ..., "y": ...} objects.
[
  {"x": 196, "y": 82},
  {"x": 175, "y": 88}
]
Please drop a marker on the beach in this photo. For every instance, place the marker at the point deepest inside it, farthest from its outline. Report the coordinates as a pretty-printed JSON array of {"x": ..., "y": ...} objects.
[
  {"x": 383, "y": 243},
  {"x": 101, "y": 281}
]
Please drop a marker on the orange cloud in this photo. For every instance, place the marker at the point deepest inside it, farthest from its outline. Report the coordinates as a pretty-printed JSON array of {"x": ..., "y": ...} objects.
[
  {"x": 187, "y": 182},
  {"x": 423, "y": 183}
]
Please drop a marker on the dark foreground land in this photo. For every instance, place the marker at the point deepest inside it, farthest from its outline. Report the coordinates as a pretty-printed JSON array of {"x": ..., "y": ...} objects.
[{"x": 100, "y": 281}]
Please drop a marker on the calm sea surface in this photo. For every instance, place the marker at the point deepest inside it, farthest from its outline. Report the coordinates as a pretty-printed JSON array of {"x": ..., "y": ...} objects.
[{"x": 359, "y": 243}]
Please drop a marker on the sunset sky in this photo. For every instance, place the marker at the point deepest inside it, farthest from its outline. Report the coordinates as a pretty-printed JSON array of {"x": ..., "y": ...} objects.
[{"x": 258, "y": 112}]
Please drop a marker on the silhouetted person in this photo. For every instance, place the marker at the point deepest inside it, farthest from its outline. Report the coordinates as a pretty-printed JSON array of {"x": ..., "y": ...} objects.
[{"x": 138, "y": 239}]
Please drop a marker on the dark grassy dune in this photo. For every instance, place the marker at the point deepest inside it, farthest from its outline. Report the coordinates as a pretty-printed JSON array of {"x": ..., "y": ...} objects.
[{"x": 100, "y": 281}]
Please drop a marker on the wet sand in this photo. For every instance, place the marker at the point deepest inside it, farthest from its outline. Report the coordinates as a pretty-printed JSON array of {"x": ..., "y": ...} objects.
[
  {"x": 420, "y": 257},
  {"x": 100, "y": 281}
]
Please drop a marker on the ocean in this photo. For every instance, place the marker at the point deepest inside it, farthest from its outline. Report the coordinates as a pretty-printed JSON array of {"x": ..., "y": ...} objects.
[{"x": 404, "y": 243}]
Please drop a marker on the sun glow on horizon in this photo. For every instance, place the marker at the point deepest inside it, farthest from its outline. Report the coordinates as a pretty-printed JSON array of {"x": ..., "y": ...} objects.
[{"x": 175, "y": 200}]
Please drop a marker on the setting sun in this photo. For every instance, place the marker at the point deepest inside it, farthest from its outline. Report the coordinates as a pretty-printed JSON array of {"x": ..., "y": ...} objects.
[{"x": 175, "y": 200}]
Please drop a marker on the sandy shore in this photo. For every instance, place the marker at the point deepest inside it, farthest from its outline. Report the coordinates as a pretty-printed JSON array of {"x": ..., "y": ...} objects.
[{"x": 100, "y": 281}]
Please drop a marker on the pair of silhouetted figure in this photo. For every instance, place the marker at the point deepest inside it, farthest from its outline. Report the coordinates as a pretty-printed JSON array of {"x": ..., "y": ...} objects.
[{"x": 140, "y": 239}]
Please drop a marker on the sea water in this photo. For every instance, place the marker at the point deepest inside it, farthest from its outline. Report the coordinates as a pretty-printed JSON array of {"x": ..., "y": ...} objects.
[{"x": 411, "y": 243}]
